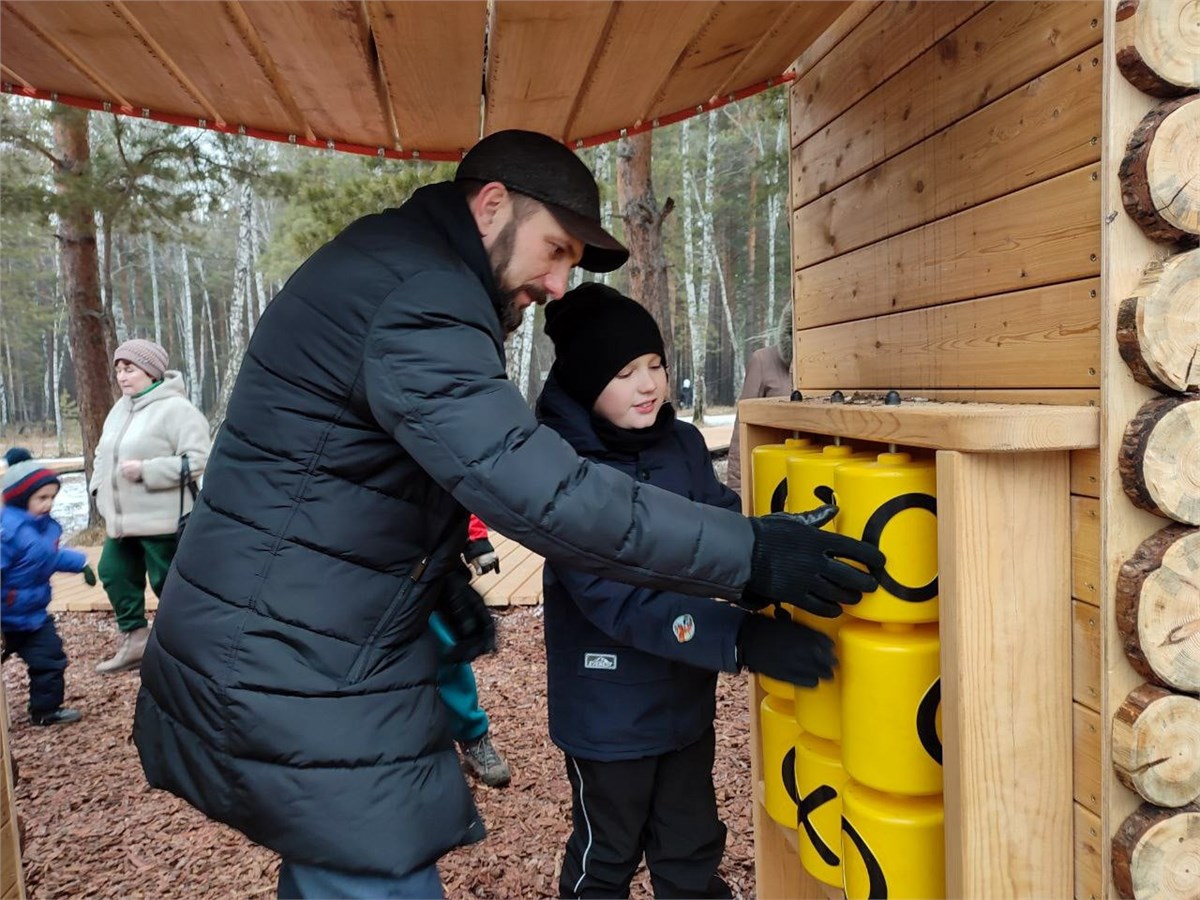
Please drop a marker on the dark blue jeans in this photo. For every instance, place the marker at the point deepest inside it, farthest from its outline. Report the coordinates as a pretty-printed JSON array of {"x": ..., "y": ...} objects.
[
  {"x": 301, "y": 882},
  {"x": 42, "y": 651}
]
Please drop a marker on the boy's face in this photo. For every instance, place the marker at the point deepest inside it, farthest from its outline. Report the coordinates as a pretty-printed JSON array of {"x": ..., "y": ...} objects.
[
  {"x": 636, "y": 394},
  {"x": 41, "y": 501}
]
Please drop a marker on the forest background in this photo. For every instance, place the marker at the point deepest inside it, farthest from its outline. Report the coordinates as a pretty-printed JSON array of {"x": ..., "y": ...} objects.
[{"x": 115, "y": 227}]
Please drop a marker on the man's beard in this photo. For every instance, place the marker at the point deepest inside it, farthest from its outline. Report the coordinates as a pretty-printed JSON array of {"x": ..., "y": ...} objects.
[{"x": 500, "y": 255}]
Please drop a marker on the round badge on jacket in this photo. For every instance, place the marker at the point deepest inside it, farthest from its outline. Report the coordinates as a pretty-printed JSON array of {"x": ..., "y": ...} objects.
[{"x": 684, "y": 627}]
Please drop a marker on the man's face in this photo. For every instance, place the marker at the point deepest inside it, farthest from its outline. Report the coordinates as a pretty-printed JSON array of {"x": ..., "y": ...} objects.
[{"x": 532, "y": 257}]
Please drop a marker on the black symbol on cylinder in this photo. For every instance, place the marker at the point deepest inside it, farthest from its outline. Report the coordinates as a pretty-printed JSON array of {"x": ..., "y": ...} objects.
[
  {"x": 806, "y": 807},
  {"x": 779, "y": 497},
  {"x": 874, "y": 531},
  {"x": 927, "y": 721},
  {"x": 877, "y": 888}
]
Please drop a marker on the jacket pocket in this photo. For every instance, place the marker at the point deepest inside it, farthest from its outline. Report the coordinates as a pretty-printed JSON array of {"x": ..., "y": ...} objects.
[{"x": 368, "y": 652}]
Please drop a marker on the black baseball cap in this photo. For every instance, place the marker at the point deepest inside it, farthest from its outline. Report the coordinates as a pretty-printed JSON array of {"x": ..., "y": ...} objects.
[{"x": 544, "y": 169}]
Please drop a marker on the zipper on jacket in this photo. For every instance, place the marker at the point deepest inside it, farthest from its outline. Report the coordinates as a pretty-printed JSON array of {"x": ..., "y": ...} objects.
[
  {"x": 116, "y": 484},
  {"x": 389, "y": 615},
  {"x": 419, "y": 569}
]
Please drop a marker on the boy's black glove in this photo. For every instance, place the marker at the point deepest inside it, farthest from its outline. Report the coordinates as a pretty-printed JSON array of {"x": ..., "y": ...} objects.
[
  {"x": 89, "y": 576},
  {"x": 481, "y": 556},
  {"x": 466, "y": 616},
  {"x": 785, "y": 650},
  {"x": 794, "y": 562}
]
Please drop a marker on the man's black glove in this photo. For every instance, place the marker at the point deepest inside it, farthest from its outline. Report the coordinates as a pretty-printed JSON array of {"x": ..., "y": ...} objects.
[
  {"x": 794, "y": 562},
  {"x": 465, "y": 615},
  {"x": 785, "y": 650},
  {"x": 89, "y": 575}
]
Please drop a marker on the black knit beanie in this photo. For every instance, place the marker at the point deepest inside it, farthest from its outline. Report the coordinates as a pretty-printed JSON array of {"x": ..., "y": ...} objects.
[{"x": 597, "y": 332}]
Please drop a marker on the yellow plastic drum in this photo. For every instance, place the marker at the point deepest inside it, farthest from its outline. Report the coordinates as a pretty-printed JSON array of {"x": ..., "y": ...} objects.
[
  {"x": 892, "y": 847},
  {"x": 819, "y": 709},
  {"x": 891, "y": 696},
  {"x": 891, "y": 503},
  {"x": 810, "y": 477},
  {"x": 769, "y": 470},
  {"x": 819, "y": 782},
  {"x": 778, "y": 731}
]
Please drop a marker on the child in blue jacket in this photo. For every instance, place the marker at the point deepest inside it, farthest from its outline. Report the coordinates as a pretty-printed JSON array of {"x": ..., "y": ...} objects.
[
  {"x": 632, "y": 671},
  {"x": 30, "y": 555}
]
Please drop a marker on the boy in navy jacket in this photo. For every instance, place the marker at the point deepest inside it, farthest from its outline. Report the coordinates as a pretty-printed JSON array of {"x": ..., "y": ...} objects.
[
  {"x": 30, "y": 554},
  {"x": 632, "y": 671}
]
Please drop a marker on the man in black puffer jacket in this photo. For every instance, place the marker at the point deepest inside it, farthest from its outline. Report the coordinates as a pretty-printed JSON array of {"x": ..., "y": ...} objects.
[{"x": 289, "y": 686}]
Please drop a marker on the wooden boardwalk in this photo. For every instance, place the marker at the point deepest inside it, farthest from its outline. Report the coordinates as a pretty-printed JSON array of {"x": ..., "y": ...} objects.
[{"x": 518, "y": 584}]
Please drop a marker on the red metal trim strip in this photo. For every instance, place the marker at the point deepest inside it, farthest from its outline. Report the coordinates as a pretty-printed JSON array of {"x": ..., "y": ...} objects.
[{"x": 382, "y": 152}]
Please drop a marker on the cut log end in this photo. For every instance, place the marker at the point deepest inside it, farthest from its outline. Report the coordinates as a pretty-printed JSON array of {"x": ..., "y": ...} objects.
[
  {"x": 1158, "y": 608},
  {"x": 1158, "y": 43},
  {"x": 1158, "y": 328},
  {"x": 1158, "y": 184},
  {"x": 1156, "y": 854},
  {"x": 1156, "y": 746},
  {"x": 1159, "y": 459}
]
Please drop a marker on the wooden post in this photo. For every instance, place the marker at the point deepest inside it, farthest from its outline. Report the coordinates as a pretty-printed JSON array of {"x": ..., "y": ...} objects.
[
  {"x": 1156, "y": 745},
  {"x": 1160, "y": 458},
  {"x": 1158, "y": 328},
  {"x": 1158, "y": 44},
  {"x": 1005, "y": 561},
  {"x": 12, "y": 879},
  {"x": 1158, "y": 174},
  {"x": 1158, "y": 608},
  {"x": 1155, "y": 853}
]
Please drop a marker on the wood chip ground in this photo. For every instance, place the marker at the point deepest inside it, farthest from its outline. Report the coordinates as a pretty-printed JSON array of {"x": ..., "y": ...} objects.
[{"x": 93, "y": 828}]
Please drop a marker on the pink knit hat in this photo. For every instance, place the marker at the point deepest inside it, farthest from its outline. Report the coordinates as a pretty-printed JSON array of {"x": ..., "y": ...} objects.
[{"x": 148, "y": 356}]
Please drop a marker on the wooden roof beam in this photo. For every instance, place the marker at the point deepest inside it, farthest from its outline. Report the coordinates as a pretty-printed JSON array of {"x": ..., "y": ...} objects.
[
  {"x": 62, "y": 50},
  {"x": 122, "y": 12},
  {"x": 380, "y": 77},
  {"x": 657, "y": 97},
  {"x": 787, "y": 9},
  {"x": 258, "y": 50},
  {"x": 10, "y": 75},
  {"x": 590, "y": 73}
]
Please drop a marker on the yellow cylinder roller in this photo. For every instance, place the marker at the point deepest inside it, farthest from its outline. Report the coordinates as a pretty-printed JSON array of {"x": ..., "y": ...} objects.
[
  {"x": 892, "y": 846},
  {"x": 891, "y": 697},
  {"x": 768, "y": 466},
  {"x": 778, "y": 732},
  {"x": 891, "y": 503},
  {"x": 819, "y": 782},
  {"x": 819, "y": 709},
  {"x": 810, "y": 477}
]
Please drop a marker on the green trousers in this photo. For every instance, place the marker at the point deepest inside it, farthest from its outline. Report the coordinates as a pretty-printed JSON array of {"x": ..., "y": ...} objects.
[{"x": 125, "y": 564}]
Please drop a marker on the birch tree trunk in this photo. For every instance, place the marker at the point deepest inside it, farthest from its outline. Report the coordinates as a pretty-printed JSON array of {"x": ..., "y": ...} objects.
[
  {"x": 187, "y": 327},
  {"x": 154, "y": 298},
  {"x": 604, "y": 177},
  {"x": 56, "y": 365},
  {"x": 647, "y": 267},
  {"x": 208, "y": 317},
  {"x": 237, "y": 310},
  {"x": 259, "y": 237},
  {"x": 699, "y": 299},
  {"x": 774, "y": 208},
  {"x": 90, "y": 329},
  {"x": 521, "y": 354}
]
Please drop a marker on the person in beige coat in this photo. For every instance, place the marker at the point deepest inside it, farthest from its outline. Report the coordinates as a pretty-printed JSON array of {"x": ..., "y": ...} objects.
[
  {"x": 768, "y": 374},
  {"x": 136, "y": 481}
]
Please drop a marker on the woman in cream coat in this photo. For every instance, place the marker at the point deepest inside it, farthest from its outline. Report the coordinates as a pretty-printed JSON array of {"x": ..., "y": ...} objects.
[{"x": 136, "y": 479}]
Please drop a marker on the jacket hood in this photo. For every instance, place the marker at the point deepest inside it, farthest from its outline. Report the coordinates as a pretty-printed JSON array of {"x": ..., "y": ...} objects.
[
  {"x": 171, "y": 386},
  {"x": 443, "y": 208},
  {"x": 573, "y": 423}
]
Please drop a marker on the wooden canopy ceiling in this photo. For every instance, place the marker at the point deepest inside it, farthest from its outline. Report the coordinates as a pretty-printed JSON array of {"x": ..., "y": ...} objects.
[{"x": 429, "y": 77}]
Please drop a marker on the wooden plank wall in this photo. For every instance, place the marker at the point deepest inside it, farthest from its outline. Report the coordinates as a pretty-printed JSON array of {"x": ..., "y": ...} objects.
[
  {"x": 945, "y": 195},
  {"x": 946, "y": 225}
]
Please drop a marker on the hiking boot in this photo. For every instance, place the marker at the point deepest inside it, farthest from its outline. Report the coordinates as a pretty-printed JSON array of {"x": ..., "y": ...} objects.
[
  {"x": 129, "y": 653},
  {"x": 485, "y": 762},
  {"x": 61, "y": 716}
]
